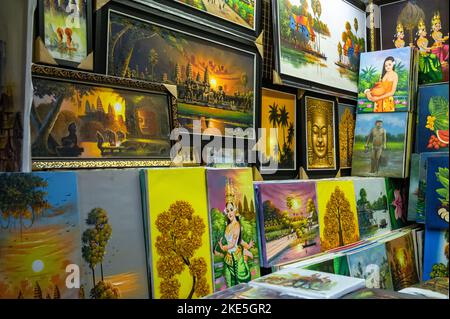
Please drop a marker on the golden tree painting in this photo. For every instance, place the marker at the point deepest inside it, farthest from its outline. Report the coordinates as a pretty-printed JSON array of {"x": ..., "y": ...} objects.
[
  {"x": 180, "y": 237},
  {"x": 339, "y": 222},
  {"x": 346, "y": 136}
]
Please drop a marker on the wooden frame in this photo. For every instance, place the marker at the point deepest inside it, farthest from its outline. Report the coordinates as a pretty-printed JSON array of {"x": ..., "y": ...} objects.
[
  {"x": 42, "y": 54},
  {"x": 139, "y": 142}
]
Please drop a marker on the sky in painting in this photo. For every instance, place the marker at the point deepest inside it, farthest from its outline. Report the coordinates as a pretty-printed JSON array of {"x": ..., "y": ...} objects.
[
  {"x": 277, "y": 193},
  {"x": 375, "y": 187},
  {"x": 225, "y": 65},
  {"x": 394, "y": 122},
  {"x": 242, "y": 180},
  {"x": 376, "y": 59},
  {"x": 43, "y": 251}
]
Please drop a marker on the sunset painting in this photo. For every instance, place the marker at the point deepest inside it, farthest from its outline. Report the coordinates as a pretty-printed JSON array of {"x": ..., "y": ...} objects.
[
  {"x": 290, "y": 221},
  {"x": 84, "y": 121},
  {"x": 215, "y": 82},
  {"x": 115, "y": 212},
  {"x": 39, "y": 236}
]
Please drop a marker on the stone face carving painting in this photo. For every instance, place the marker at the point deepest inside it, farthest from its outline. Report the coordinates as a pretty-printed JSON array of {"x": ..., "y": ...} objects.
[{"x": 321, "y": 153}]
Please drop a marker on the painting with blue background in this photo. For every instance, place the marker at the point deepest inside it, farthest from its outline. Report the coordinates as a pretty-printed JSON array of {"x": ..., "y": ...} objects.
[
  {"x": 436, "y": 196},
  {"x": 438, "y": 127}
]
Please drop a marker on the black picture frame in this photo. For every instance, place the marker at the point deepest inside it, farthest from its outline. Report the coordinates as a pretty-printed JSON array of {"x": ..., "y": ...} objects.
[
  {"x": 326, "y": 172},
  {"x": 154, "y": 16},
  {"x": 210, "y": 20},
  {"x": 283, "y": 174},
  {"x": 40, "y": 33},
  {"x": 303, "y": 83},
  {"x": 87, "y": 79}
]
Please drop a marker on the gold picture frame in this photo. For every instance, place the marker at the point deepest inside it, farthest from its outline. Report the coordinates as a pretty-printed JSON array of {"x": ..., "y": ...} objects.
[{"x": 141, "y": 145}]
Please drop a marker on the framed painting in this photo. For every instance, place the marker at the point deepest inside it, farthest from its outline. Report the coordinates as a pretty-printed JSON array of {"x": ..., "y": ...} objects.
[
  {"x": 317, "y": 47},
  {"x": 217, "y": 82},
  {"x": 279, "y": 111},
  {"x": 346, "y": 124},
  {"x": 320, "y": 145},
  {"x": 40, "y": 235},
  {"x": 386, "y": 79},
  {"x": 424, "y": 25},
  {"x": 84, "y": 120},
  {"x": 381, "y": 145},
  {"x": 236, "y": 16},
  {"x": 64, "y": 33},
  {"x": 432, "y": 126}
]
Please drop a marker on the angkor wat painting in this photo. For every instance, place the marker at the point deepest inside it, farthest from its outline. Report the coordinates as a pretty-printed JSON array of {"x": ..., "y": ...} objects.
[
  {"x": 71, "y": 120},
  {"x": 216, "y": 83}
]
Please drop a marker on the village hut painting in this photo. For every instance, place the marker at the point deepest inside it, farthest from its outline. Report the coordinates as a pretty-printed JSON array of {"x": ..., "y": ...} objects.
[{"x": 317, "y": 44}]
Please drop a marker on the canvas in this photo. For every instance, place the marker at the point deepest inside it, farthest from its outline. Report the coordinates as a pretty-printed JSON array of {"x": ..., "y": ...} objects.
[
  {"x": 381, "y": 142},
  {"x": 413, "y": 196},
  {"x": 397, "y": 197},
  {"x": 401, "y": 262},
  {"x": 15, "y": 82},
  {"x": 338, "y": 218},
  {"x": 177, "y": 232},
  {"x": 320, "y": 146},
  {"x": 436, "y": 195},
  {"x": 40, "y": 235},
  {"x": 216, "y": 83},
  {"x": 115, "y": 211},
  {"x": 240, "y": 12},
  {"x": 337, "y": 265},
  {"x": 288, "y": 221},
  {"x": 401, "y": 22},
  {"x": 432, "y": 126},
  {"x": 72, "y": 120},
  {"x": 346, "y": 120},
  {"x": 232, "y": 214},
  {"x": 385, "y": 81},
  {"x": 315, "y": 44},
  {"x": 436, "y": 254},
  {"x": 372, "y": 207},
  {"x": 65, "y": 30},
  {"x": 279, "y": 111},
  {"x": 421, "y": 190},
  {"x": 371, "y": 264},
  {"x": 369, "y": 293},
  {"x": 310, "y": 284}
]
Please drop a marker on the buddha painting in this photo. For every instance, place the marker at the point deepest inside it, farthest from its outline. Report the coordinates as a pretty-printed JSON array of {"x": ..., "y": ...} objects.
[
  {"x": 147, "y": 122},
  {"x": 320, "y": 134}
]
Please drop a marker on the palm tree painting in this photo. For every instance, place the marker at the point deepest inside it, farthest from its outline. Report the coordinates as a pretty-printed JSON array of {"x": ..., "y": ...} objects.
[{"x": 279, "y": 112}]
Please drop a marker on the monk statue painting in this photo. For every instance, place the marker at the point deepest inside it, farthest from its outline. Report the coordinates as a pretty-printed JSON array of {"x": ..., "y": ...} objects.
[{"x": 382, "y": 93}]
